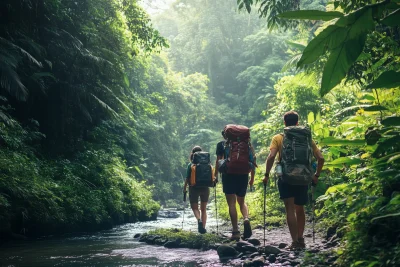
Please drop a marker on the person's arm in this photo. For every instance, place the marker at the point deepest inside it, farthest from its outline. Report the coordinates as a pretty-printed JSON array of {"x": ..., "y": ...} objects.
[
  {"x": 185, "y": 186},
  {"x": 269, "y": 163},
  {"x": 251, "y": 182},
  {"x": 216, "y": 165},
  {"x": 320, "y": 159}
]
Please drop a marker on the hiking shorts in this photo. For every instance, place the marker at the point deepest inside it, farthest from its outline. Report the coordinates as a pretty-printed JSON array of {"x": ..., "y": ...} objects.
[
  {"x": 299, "y": 192},
  {"x": 196, "y": 192},
  {"x": 235, "y": 184}
]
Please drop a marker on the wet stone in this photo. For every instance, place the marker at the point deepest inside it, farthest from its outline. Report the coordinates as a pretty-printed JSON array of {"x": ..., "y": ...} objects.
[
  {"x": 171, "y": 244},
  {"x": 226, "y": 251},
  {"x": 282, "y": 245},
  {"x": 137, "y": 235},
  {"x": 286, "y": 263},
  {"x": 271, "y": 250},
  {"x": 243, "y": 243},
  {"x": 160, "y": 241},
  {"x": 255, "y": 254},
  {"x": 254, "y": 241},
  {"x": 258, "y": 261},
  {"x": 250, "y": 248},
  {"x": 271, "y": 258}
]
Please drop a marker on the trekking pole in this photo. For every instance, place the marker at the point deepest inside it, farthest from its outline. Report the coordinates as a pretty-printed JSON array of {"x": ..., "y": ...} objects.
[
  {"x": 216, "y": 209},
  {"x": 265, "y": 213},
  {"x": 313, "y": 210},
  {"x": 184, "y": 206}
]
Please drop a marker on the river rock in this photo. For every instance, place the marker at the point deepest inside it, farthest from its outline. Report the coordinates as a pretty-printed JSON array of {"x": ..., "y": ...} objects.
[
  {"x": 258, "y": 261},
  {"x": 272, "y": 258},
  {"x": 160, "y": 241},
  {"x": 255, "y": 254},
  {"x": 143, "y": 238},
  {"x": 250, "y": 248},
  {"x": 171, "y": 244},
  {"x": 282, "y": 245},
  {"x": 225, "y": 251},
  {"x": 168, "y": 214},
  {"x": 137, "y": 235},
  {"x": 242, "y": 243},
  {"x": 254, "y": 241},
  {"x": 271, "y": 250}
]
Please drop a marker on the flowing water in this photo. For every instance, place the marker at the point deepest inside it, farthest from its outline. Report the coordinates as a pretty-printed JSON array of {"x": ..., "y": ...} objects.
[{"x": 115, "y": 247}]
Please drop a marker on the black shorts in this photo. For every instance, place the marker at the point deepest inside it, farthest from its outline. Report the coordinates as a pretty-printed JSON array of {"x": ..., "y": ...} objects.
[
  {"x": 196, "y": 192},
  {"x": 299, "y": 192},
  {"x": 235, "y": 184}
]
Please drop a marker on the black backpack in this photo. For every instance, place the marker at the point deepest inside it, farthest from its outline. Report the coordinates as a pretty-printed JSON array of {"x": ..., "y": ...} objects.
[
  {"x": 202, "y": 171},
  {"x": 297, "y": 155}
]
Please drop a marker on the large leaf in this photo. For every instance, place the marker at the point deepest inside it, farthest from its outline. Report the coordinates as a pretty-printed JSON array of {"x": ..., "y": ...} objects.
[
  {"x": 296, "y": 45},
  {"x": 311, "y": 15},
  {"x": 391, "y": 121},
  {"x": 345, "y": 160},
  {"x": 346, "y": 46},
  {"x": 375, "y": 108},
  {"x": 388, "y": 79},
  {"x": 392, "y": 19},
  {"x": 331, "y": 141},
  {"x": 317, "y": 46}
]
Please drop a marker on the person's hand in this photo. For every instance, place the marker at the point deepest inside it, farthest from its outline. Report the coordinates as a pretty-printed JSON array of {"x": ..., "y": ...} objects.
[
  {"x": 315, "y": 180},
  {"x": 266, "y": 178},
  {"x": 251, "y": 182}
]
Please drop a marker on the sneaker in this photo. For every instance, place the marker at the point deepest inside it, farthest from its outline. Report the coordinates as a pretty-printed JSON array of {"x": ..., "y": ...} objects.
[
  {"x": 235, "y": 235},
  {"x": 301, "y": 242},
  {"x": 247, "y": 229},
  {"x": 200, "y": 227}
]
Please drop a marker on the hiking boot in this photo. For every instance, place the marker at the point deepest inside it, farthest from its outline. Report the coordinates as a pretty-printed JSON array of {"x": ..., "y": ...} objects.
[
  {"x": 235, "y": 235},
  {"x": 247, "y": 229},
  {"x": 295, "y": 246},
  {"x": 301, "y": 242},
  {"x": 200, "y": 228}
]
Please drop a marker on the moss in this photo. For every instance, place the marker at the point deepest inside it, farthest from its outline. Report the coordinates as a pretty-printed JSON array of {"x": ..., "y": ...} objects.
[{"x": 192, "y": 240}]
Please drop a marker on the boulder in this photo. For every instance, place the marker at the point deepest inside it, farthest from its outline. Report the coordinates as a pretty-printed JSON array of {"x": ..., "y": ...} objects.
[
  {"x": 137, "y": 235},
  {"x": 255, "y": 254},
  {"x": 254, "y": 241},
  {"x": 143, "y": 238},
  {"x": 282, "y": 245},
  {"x": 250, "y": 248},
  {"x": 258, "y": 261},
  {"x": 271, "y": 250},
  {"x": 242, "y": 243},
  {"x": 272, "y": 258},
  {"x": 225, "y": 251},
  {"x": 171, "y": 244},
  {"x": 168, "y": 214}
]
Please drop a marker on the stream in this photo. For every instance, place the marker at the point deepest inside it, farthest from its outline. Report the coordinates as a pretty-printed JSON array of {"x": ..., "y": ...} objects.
[
  {"x": 114, "y": 247},
  {"x": 118, "y": 247}
]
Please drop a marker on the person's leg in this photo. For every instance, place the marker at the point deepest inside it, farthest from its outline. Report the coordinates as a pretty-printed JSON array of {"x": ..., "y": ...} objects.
[
  {"x": 301, "y": 220},
  {"x": 195, "y": 209},
  {"x": 291, "y": 218},
  {"x": 300, "y": 199},
  {"x": 231, "y": 200},
  {"x": 243, "y": 207},
  {"x": 203, "y": 208}
]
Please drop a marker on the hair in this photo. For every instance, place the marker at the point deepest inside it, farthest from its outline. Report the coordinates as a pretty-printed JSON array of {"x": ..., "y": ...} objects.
[
  {"x": 194, "y": 150},
  {"x": 223, "y": 134},
  {"x": 291, "y": 118}
]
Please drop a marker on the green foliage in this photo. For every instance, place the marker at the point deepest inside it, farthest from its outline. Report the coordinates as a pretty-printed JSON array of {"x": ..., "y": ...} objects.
[{"x": 187, "y": 237}]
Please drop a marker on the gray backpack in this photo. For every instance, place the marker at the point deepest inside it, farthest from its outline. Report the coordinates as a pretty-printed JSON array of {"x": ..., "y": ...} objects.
[{"x": 297, "y": 155}]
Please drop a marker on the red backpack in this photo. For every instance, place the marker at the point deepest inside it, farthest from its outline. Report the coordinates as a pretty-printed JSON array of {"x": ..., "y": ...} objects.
[{"x": 240, "y": 154}]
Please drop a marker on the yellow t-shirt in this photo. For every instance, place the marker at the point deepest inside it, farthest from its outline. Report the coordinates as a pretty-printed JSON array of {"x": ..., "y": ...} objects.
[{"x": 277, "y": 141}]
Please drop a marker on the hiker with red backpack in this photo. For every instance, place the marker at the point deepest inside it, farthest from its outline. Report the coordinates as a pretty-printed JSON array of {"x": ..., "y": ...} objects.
[
  {"x": 199, "y": 177},
  {"x": 235, "y": 160},
  {"x": 295, "y": 149}
]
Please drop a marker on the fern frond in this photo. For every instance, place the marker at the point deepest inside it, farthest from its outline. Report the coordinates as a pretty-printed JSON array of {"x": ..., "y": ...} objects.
[
  {"x": 291, "y": 63},
  {"x": 105, "y": 106},
  {"x": 10, "y": 81}
]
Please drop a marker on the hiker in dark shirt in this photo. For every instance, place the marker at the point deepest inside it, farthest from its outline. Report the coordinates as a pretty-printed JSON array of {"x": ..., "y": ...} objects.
[{"x": 195, "y": 193}]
